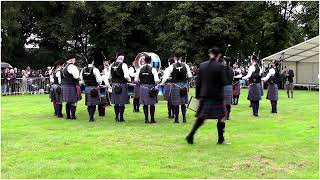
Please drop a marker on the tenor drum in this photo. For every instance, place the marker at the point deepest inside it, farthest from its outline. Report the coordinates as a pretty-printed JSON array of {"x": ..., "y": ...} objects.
[{"x": 139, "y": 60}]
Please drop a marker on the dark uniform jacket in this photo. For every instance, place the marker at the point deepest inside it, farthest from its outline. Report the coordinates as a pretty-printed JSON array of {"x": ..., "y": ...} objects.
[
  {"x": 210, "y": 81},
  {"x": 229, "y": 75}
]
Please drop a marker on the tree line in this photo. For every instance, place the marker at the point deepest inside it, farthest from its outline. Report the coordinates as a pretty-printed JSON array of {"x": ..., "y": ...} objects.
[{"x": 190, "y": 28}]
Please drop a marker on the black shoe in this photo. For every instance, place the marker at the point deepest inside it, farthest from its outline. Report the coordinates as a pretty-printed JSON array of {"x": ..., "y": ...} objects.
[
  {"x": 223, "y": 143},
  {"x": 73, "y": 118},
  {"x": 146, "y": 121},
  {"x": 171, "y": 117},
  {"x": 256, "y": 115},
  {"x": 153, "y": 121},
  {"x": 60, "y": 116},
  {"x": 176, "y": 121},
  {"x": 91, "y": 120},
  {"x": 117, "y": 120},
  {"x": 68, "y": 117},
  {"x": 189, "y": 139},
  {"x": 184, "y": 121}
]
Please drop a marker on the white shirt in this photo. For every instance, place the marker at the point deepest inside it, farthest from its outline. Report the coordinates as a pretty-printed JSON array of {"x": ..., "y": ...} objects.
[
  {"x": 58, "y": 75},
  {"x": 270, "y": 73},
  {"x": 132, "y": 73},
  {"x": 105, "y": 77},
  {"x": 252, "y": 69},
  {"x": 239, "y": 71},
  {"x": 125, "y": 71},
  {"x": 73, "y": 70},
  {"x": 169, "y": 70},
  {"x": 96, "y": 73},
  {"x": 154, "y": 72}
]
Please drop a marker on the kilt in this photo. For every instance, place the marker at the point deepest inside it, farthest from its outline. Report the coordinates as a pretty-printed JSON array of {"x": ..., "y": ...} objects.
[
  {"x": 69, "y": 94},
  {"x": 288, "y": 86},
  {"x": 255, "y": 92},
  {"x": 91, "y": 101},
  {"x": 53, "y": 94},
  {"x": 104, "y": 96},
  {"x": 272, "y": 92},
  {"x": 228, "y": 94},
  {"x": 123, "y": 97},
  {"x": 236, "y": 88},
  {"x": 175, "y": 97},
  {"x": 166, "y": 95},
  {"x": 145, "y": 99},
  {"x": 211, "y": 109},
  {"x": 136, "y": 93}
]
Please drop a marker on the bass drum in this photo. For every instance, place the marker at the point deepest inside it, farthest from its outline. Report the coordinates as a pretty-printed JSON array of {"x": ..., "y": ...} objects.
[{"x": 155, "y": 60}]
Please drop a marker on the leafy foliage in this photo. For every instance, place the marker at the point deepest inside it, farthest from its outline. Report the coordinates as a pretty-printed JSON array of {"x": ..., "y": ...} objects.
[{"x": 161, "y": 27}]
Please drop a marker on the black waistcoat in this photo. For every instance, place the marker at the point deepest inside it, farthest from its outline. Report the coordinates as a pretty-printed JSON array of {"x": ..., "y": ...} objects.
[
  {"x": 88, "y": 77},
  {"x": 117, "y": 73},
  {"x": 67, "y": 78},
  {"x": 179, "y": 73},
  {"x": 146, "y": 76}
]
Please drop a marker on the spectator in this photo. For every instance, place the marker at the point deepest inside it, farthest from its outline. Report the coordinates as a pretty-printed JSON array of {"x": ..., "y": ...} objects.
[
  {"x": 12, "y": 81},
  {"x": 24, "y": 81},
  {"x": 4, "y": 81}
]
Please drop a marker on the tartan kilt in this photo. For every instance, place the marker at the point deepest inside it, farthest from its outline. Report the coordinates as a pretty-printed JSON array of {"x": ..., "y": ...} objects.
[
  {"x": 166, "y": 95},
  {"x": 53, "y": 94},
  {"x": 69, "y": 93},
  {"x": 236, "y": 88},
  {"x": 123, "y": 97},
  {"x": 272, "y": 92},
  {"x": 288, "y": 86},
  {"x": 211, "y": 109},
  {"x": 255, "y": 92},
  {"x": 91, "y": 101},
  {"x": 175, "y": 97},
  {"x": 145, "y": 99},
  {"x": 228, "y": 94},
  {"x": 136, "y": 93}
]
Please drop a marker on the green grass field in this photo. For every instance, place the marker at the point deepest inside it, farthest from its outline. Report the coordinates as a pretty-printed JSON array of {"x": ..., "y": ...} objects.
[{"x": 35, "y": 144}]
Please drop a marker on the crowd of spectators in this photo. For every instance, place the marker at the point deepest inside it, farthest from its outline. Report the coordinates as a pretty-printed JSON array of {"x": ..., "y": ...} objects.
[{"x": 16, "y": 80}]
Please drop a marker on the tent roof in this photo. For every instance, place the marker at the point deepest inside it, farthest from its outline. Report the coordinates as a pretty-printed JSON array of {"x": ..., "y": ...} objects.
[{"x": 304, "y": 52}]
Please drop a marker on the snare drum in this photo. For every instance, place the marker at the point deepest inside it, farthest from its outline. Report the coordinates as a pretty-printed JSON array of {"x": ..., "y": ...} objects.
[{"x": 131, "y": 89}]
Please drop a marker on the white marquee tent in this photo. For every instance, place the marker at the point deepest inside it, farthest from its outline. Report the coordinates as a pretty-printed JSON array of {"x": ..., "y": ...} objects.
[{"x": 303, "y": 59}]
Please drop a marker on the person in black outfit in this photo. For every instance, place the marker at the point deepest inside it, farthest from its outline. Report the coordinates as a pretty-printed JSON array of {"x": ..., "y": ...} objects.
[
  {"x": 288, "y": 74},
  {"x": 228, "y": 89},
  {"x": 210, "y": 91}
]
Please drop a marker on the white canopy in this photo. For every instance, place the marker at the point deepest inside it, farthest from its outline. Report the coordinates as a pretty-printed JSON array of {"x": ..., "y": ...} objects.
[
  {"x": 307, "y": 51},
  {"x": 303, "y": 59}
]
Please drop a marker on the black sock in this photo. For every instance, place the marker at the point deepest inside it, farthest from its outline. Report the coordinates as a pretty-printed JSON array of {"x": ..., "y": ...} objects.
[
  {"x": 220, "y": 128},
  {"x": 183, "y": 111},
  {"x": 121, "y": 112},
  {"x": 152, "y": 110},
  {"x": 68, "y": 108},
  {"x": 146, "y": 112},
  {"x": 73, "y": 111},
  {"x": 116, "y": 110},
  {"x": 176, "y": 113}
]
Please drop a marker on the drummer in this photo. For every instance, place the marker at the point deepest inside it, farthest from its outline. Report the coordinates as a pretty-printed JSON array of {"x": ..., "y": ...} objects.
[
  {"x": 148, "y": 78},
  {"x": 119, "y": 75},
  {"x": 133, "y": 74},
  {"x": 180, "y": 74},
  {"x": 167, "y": 88},
  {"x": 105, "y": 86},
  {"x": 91, "y": 77}
]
